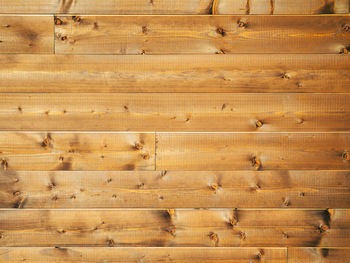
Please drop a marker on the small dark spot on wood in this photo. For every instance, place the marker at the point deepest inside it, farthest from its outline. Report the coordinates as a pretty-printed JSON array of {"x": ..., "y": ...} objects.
[
  {"x": 346, "y": 156},
  {"x": 61, "y": 158},
  {"x": 220, "y": 31},
  {"x": 327, "y": 8},
  {"x": 223, "y": 106},
  {"x": 47, "y": 141},
  {"x": 161, "y": 197},
  {"x": 129, "y": 167},
  {"x": 138, "y": 146},
  {"x": 64, "y": 38},
  {"x": 301, "y": 194},
  {"x": 102, "y": 156},
  {"x": 82, "y": 190},
  {"x": 140, "y": 185},
  {"x": 346, "y": 28},
  {"x": 16, "y": 193},
  {"x": 76, "y": 19},
  {"x": 151, "y": 2},
  {"x": 214, "y": 188},
  {"x": 324, "y": 252},
  {"x": 6, "y": 25},
  {"x": 114, "y": 196},
  {"x": 143, "y": 52},
  {"x": 299, "y": 85},
  {"x": 95, "y": 25},
  {"x": 64, "y": 111},
  {"x": 61, "y": 231},
  {"x": 47, "y": 112},
  {"x": 73, "y": 196},
  {"x": 285, "y": 201},
  {"x": 163, "y": 173},
  {"x": 58, "y": 21},
  {"x": 54, "y": 198},
  {"x": 256, "y": 163},
  {"x": 259, "y": 124},
  {"x": 242, "y": 235},
  {"x": 19, "y": 109},
  {"x": 213, "y": 236},
  {"x": 51, "y": 186},
  {"x": 109, "y": 180},
  {"x": 285, "y": 235}
]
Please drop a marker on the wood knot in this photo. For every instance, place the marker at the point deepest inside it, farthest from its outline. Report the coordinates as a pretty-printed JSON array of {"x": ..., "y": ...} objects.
[
  {"x": 163, "y": 173},
  {"x": 171, "y": 212},
  {"x": 76, "y": 19},
  {"x": 73, "y": 196},
  {"x": 220, "y": 31},
  {"x": 345, "y": 50},
  {"x": 111, "y": 243},
  {"x": 213, "y": 237},
  {"x": 16, "y": 193},
  {"x": 242, "y": 235},
  {"x": 51, "y": 186},
  {"x": 20, "y": 109},
  {"x": 58, "y": 21},
  {"x": 285, "y": 202},
  {"x": 4, "y": 164},
  {"x": 145, "y": 156},
  {"x": 260, "y": 254},
  {"x": 256, "y": 163},
  {"x": 138, "y": 146},
  {"x": 220, "y": 51},
  {"x": 285, "y": 75},
  {"x": 109, "y": 180},
  {"x": 144, "y": 30},
  {"x": 346, "y": 156},
  {"x": 323, "y": 228},
  {"x": 259, "y": 124},
  {"x": 61, "y": 231},
  {"x": 214, "y": 187},
  {"x": 47, "y": 141},
  {"x": 64, "y": 38},
  {"x": 346, "y": 28},
  {"x": 242, "y": 24}
]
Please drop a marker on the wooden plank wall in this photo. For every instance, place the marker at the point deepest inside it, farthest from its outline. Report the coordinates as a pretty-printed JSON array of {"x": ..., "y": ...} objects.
[{"x": 175, "y": 131}]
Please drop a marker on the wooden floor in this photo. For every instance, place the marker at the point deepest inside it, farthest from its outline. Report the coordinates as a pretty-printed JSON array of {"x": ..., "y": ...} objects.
[{"x": 152, "y": 131}]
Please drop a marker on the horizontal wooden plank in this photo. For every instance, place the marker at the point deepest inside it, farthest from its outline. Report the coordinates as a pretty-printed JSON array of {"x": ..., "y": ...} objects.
[
  {"x": 201, "y": 34},
  {"x": 316, "y": 255},
  {"x": 77, "y": 151},
  {"x": 281, "y": 7},
  {"x": 26, "y": 34},
  {"x": 246, "y": 151},
  {"x": 175, "y": 112},
  {"x": 182, "y": 73},
  {"x": 136, "y": 254},
  {"x": 175, "y": 228},
  {"x": 199, "y": 189},
  {"x": 106, "y": 7}
]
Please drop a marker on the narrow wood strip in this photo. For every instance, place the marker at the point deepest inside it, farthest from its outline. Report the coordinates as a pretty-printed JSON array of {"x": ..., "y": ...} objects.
[
  {"x": 26, "y": 34},
  {"x": 282, "y": 7},
  {"x": 181, "y": 73},
  {"x": 201, "y": 34},
  {"x": 77, "y": 151},
  {"x": 176, "y": 112},
  {"x": 242, "y": 151},
  {"x": 175, "y": 228},
  {"x": 199, "y": 189},
  {"x": 106, "y": 7},
  {"x": 155, "y": 255},
  {"x": 316, "y": 255}
]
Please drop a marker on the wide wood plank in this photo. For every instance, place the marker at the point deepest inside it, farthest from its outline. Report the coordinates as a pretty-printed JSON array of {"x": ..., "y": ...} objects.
[
  {"x": 317, "y": 255},
  {"x": 201, "y": 34},
  {"x": 26, "y": 34},
  {"x": 175, "y": 112},
  {"x": 106, "y": 7},
  {"x": 175, "y": 228},
  {"x": 77, "y": 151},
  {"x": 199, "y": 189},
  {"x": 246, "y": 151},
  {"x": 182, "y": 73},
  {"x": 281, "y": 7},
  {"x": 155, "y": 255}
]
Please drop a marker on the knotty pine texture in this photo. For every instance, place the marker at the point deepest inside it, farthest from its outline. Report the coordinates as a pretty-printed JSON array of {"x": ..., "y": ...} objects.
[
  {"x": 26, "y": 34},
  {"x": 281, "y": 7},
  {"x": 181, "y": 189},
  {"x": 175, "y": 112},
  {"x": 181, "y": 73},
  {"x": 77, "y": 151},
  {"x": 247, "y": 151},
  {"x": 175, "y": 228},
  {"x": 316, "y": 255},
  {"x": 106, "y": 7},
  {"x": 201, "y": 34},
  {"x": 137, "y": 254}
]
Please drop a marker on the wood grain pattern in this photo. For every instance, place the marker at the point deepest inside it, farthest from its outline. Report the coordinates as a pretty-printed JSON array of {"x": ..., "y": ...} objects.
[
  {"x": 246, "y": 151},
  {"x": 77, "y": 151},
  {"x": 199, "y": 189},
  {"x": 106, "y": 7},
  {"x": 316, "y": 255},
  {"x": 26, "y": 34},
  {"x": 156, "y": 255},
  {"x": 175, "y": 112},
  {"x": 182, "y": 73},
  {"x": 281, "y": 7},
  {"x": 175, "y": 228},
  {"x": 201, "y": 34}
]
